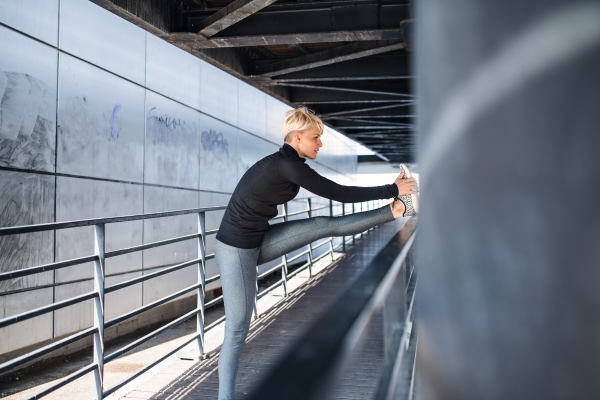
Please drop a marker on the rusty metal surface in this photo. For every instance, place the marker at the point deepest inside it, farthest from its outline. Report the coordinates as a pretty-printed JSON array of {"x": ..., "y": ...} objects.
[
  {"x": 199, "y": 42},
  {"x": 231, "y": 14},
  {"x": 341, "y": 89},
  {"x": 344, "y": 53}
]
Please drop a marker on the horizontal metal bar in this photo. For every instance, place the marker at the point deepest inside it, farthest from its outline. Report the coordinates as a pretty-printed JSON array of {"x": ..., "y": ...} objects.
[
  {"x": 321, "y": 244},
  {"x": 96, "y": 221},
  {"x": 211, "y": 232},
  {"x": 270, "y": 288},
  {"x": 298, "y": 212},
  {"x": 303, "y": 267},
  {"x": 269, "y": 272},
  {"x": 15, "y": 362},
  {"x": 146, "y": 368},
  {"x": 297, "y": 256},
  {"x": 215, "y": 323},
  {"x": 213, "y": 302},
  {"x": 46, "y": 267},
  {"x": 328, "y": 252},
  {"x": 143, "y": 278},
  {"x": 150, "y": 245},
  {"x": 62, "y": 382},
  {"x": 45, "y": 309},
  {"x": 149, "y": 336},
  {"x": 147, "y": 307},
  {"x": 212, "y": 279}
]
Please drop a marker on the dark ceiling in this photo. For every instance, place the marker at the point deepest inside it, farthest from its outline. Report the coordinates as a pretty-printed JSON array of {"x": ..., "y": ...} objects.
[{"x": 347, "y": 60}]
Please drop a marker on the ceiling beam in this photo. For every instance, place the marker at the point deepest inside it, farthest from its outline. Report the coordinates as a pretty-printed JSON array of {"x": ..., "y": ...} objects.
[
  {"x": 369, "y": 109},
  {"x": 229, "y": 15},
  {"x": 364, "y": 118},
  {"x": 339, "y": 89},
  {"x": 327, "y": 57},
  {"x": 200, "y": 42},
  {"x": 299, "y": 49},
  {"x": 331, "y": 79},
  {"x": 383, "y": 131},
  {"x": 390, "y": 127},
  {"x": 371, "y": 122},
  {"x": 403, "y": 102}
]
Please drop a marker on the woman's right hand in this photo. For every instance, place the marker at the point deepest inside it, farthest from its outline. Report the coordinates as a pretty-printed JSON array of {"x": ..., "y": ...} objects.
[{"x": 406, "y": 186}]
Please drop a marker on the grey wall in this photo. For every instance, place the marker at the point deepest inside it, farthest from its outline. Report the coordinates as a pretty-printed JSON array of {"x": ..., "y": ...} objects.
[{"x": 99, "y": 118}]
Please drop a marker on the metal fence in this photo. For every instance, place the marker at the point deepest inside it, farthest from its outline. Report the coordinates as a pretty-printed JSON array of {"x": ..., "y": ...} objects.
[
  {"x": 99, "y": 257},
  {"x": 388, "y": 283}
]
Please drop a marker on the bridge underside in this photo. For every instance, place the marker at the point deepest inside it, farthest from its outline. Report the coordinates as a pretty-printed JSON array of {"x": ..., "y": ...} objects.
[{"x": 348, "y": 60}]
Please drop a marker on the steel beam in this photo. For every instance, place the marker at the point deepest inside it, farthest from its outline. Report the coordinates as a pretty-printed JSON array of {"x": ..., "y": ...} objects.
[
  {"x": 331, "y": 79},
  {"x": 371, "y": 122},
  {"x": 200, "y": 42},
  {"x": 332, "y": 56},
  {"x": 394, "y": 128},
  {"x": 339, "y": 89},
  {"x": 403, "y": 102},
  {"x": 370, "y": 108},
  {"x": 231, "y": 14},
  {"x": 299, "y": 49},
  {"x": 382, "y": 131}
]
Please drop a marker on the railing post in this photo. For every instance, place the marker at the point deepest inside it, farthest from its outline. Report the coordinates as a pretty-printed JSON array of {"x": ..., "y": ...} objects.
[
  {"x": 361, "y": 209},
  {"x": 201, "y": 280},
  {"x": 353, "y": 236},
  {"x": 331, "y": 238},
  {"x": 343, "y": 237},
  {"x": 310, "y": 254},
  {"x": 284, "y": 268},
  {"x": 99, "y": 311}
]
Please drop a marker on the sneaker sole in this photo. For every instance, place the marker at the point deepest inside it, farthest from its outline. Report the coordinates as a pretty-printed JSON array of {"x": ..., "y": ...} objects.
[{"x": 411, "y": 201}]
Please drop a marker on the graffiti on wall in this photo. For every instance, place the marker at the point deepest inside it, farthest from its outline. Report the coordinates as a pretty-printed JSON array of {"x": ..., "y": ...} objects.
[
  {"x": 27, "y": 122},
  {"x": 215, "y": 143}
]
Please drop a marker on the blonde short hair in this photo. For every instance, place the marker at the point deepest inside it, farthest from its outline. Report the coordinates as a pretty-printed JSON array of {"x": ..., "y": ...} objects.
[{"x": 299, "y": 120}]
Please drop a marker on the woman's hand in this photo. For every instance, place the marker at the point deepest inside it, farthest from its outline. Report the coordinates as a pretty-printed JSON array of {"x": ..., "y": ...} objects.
[{"x": 405, "y": 186}]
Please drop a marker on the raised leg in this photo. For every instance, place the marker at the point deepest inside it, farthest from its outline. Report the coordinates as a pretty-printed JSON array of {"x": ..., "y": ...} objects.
[{"x": 289, "y": 236}]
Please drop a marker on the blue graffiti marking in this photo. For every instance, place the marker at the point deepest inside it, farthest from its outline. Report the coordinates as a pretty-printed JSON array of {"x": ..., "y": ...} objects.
[
  {"x": 114, "y": 132},
  {"x": 214, "y": 142}
]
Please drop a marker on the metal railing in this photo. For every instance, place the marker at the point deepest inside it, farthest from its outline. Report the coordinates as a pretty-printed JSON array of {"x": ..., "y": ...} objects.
[
  {"x": 388, "y": 283},
  {"x": 100, "y": 290}
]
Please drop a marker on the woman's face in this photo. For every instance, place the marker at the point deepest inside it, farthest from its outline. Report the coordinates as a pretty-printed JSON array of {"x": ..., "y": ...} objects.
[{"x": 309, "y": 142}]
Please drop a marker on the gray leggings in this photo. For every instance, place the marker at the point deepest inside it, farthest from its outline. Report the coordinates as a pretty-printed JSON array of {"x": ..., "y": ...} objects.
[{"x": 238, "y": 275}]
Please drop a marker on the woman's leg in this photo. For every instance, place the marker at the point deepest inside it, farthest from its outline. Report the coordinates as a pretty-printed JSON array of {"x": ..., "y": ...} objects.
[
  {"x": 238, "y": 279},
  {"x": 289, "y": 236}
]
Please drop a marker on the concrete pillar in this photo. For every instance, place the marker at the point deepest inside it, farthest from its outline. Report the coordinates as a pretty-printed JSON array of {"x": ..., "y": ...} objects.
[{"x": 509, "y": 246}]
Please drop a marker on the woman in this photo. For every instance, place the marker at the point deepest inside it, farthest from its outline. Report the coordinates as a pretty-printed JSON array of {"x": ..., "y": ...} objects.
[{"x": 245, "y": 238}]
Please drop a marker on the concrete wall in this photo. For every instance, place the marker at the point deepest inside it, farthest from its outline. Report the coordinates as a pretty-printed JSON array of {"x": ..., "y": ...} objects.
[{"x": 98, "y": 118}]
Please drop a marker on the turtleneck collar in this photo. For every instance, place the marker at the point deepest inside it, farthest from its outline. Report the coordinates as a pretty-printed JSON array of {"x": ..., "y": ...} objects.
[{"x": 291, "y": 152}]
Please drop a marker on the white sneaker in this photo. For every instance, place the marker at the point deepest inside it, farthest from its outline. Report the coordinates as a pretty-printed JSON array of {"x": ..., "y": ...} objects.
[{"x": 411, "y": 201}]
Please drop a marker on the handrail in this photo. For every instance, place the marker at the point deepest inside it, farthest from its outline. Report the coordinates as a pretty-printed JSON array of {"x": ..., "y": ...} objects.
[
  {"x": 51, "y": 226},
  {"x": 100, "y": 290},
  {"x": 308, "y": 368}
]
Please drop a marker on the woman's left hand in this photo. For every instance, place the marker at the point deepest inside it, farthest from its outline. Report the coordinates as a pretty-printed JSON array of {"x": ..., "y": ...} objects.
[{"x": 406, "y": 186}]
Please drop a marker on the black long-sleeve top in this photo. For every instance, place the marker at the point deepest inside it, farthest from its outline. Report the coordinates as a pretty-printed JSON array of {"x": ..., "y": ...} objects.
[{"x": 274, "y": 180}]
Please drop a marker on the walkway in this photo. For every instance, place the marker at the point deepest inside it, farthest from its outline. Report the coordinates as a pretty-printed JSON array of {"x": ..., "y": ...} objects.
[{"x": 279, "y": 328}]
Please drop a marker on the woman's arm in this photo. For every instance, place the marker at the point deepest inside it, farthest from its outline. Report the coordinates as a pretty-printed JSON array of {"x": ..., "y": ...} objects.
[{"x": 306, "y": 177}]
